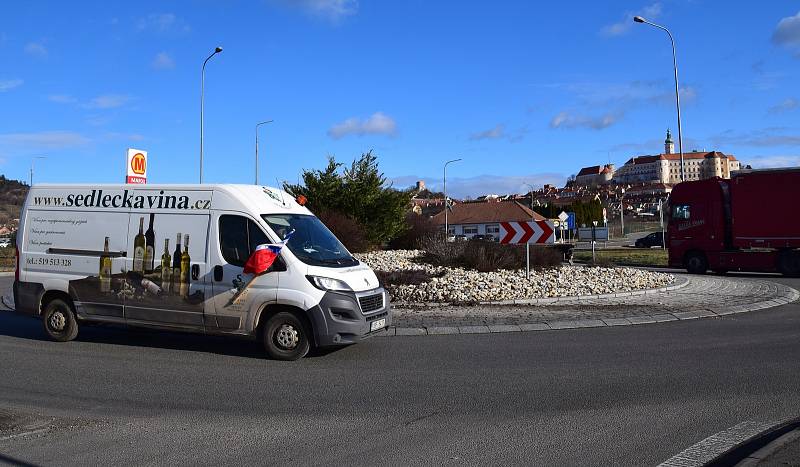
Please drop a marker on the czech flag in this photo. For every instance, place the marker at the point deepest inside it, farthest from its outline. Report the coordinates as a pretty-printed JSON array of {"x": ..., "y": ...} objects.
[{"x": 263, "y": 256}]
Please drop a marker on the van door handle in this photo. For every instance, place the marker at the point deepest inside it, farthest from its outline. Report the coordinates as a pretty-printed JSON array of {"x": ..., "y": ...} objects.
[
  {"x": 218, "y": 273},
  {"x": 195, "y": 272}
]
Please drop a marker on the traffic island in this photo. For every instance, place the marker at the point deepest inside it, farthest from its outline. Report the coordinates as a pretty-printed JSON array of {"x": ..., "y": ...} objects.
[{"x": 690, "y": 297}]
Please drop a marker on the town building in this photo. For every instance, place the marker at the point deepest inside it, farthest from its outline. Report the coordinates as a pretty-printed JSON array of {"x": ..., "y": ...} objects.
[
  {"x": 595, "y": 175},
  {"x": 472, "y": 218},
  {"x": 666, "y": 168}
]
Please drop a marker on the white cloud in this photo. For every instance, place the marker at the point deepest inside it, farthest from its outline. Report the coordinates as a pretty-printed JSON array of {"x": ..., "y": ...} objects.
[
  {"x": 786, "y": 106},
  {"x": 766, "y": 137},
  {"x": 163, "y": 62},
  {"x": 598, "y": 122},
  {"x": 331, "y": 10},
  {"x": 108, "y": 101},
  {"x": 649, "y": 12},
  {"x": 62, "y": 99},
  {"x": 377, "y": 124},
  {"x": 787, "y": 32},
  {"x": 764, "y": 162},
  {"x": 36, "y": 49},
  {"x": 9, "y": 84},
  {"x": 499, "y": 131},
  {"x": 163, "y": 23},
  {"x": 44, "y": 139}
]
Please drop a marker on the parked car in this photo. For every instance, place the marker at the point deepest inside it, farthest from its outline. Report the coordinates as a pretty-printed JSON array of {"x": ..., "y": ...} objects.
[
  {"x": 4, "y": 243},
  {"x": 485, "y": 238},
  {"x": 654, "y": 239},
  {"x": 461, "y": 238}
]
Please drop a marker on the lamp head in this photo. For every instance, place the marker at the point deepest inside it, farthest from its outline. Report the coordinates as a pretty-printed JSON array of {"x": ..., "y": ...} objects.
[
  {"x": 218, "y": 50},
  {"x": 639, "y": 19}
]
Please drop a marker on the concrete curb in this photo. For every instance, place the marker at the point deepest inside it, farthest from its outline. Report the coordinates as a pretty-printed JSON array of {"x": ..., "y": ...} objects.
[
  {"x": 681, "y": 281},
  {"x": 789, "y": 295},
  {"x": 738, "y": 443}
]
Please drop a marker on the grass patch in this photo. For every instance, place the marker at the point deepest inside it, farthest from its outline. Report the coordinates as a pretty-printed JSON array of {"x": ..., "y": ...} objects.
[{"x": 624, "y": 256}]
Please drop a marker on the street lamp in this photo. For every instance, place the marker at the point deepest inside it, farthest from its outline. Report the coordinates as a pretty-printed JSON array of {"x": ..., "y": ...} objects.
[
  {"x": 622, "y": 212},
  {"x": 530, "y": 193},
  {"x": 446, "y": 231},
  {"x": 258, "y": 125},
  {"x": 202, "y": 98},
  {"x": 639, "y": 19},
  {"x": 33, "y": 159}
]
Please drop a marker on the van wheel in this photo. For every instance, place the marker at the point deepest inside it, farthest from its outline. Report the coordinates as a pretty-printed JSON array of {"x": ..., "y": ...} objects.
[
  {"x": 285, "y": 337},
  {"x": 59, "y": 321},
  {"x": 696, "y": 263}
]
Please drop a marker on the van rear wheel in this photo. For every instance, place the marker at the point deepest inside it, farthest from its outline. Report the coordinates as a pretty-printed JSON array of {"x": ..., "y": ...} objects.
[
  {"x": 789, "y": 263},
  {"x": 59, "y": 321},
  {"x": 285, "y": 337}
]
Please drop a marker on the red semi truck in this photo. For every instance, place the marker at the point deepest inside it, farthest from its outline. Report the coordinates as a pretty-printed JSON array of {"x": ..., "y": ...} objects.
[{"x": 750, "y": 222}]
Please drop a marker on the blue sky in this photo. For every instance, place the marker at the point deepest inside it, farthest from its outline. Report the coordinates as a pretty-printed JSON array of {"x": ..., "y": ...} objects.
[{"x": 524, "y": 92}]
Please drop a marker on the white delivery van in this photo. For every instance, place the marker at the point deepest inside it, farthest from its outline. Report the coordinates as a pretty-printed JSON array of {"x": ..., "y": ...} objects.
[{"x": 172, "y": 257}]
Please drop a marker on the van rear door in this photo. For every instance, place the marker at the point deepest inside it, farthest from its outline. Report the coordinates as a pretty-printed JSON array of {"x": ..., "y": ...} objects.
[{"x": 166, "y": 282}]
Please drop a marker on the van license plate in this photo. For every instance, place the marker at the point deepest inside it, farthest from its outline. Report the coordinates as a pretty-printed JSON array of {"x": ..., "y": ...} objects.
[{"x": 377, "y": 324}]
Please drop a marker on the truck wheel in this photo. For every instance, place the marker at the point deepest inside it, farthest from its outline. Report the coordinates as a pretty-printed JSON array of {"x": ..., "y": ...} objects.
[
  {"x": 285, "y": 337},
  {"x": 696, "y": 263},
  {"x": 789, "y": 263},
  {"x": 59, "y": 321}
]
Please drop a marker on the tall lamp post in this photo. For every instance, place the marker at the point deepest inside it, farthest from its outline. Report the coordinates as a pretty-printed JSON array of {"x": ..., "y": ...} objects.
[
  {"x": 622, "y": 212},
  {"x": 258, "y": 125},
  {"x": 446, "y": 230},
  {"x": 33, "y": 159},
  {"x": 639, "y": 19},
  {"x": 202, "y": 100}
]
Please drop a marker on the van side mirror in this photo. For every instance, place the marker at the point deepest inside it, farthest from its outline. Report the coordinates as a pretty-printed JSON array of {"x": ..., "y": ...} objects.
[
  {"x": 195, "y": 272},
  {"x": 217, "y": 273}
]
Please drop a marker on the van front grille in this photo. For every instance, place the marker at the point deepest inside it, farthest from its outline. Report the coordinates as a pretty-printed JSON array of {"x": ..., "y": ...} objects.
[{"x": 371, "y": 303}]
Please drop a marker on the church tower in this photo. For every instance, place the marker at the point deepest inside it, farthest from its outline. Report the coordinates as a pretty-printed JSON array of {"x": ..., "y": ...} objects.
[{"x": 669, "y": 146}]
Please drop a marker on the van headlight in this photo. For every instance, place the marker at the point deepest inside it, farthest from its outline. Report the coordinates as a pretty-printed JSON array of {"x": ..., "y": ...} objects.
[{"x": 328, "y": 283}]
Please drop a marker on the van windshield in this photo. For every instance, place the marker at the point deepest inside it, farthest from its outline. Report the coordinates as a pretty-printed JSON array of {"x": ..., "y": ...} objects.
[{"x": 311, "y": 242}]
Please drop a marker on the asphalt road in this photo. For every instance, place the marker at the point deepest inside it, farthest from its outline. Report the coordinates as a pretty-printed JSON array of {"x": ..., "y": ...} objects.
[{"x": 632, "y": 395}]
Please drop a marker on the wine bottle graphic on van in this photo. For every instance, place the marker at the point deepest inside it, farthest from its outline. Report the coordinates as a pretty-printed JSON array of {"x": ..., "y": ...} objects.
[
  {"x": 166, "y": 268},
  {"x": 150, "y": 247},
  {"x": 176, "y": 266},
  {"x": 185, "y": 262},
  {"x": 105, "y": 269},
  {"x": 138, "y": 249}
]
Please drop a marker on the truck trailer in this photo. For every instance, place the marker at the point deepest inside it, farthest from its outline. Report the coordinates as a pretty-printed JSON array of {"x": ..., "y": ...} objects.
[{"x": 750, "y": 222}]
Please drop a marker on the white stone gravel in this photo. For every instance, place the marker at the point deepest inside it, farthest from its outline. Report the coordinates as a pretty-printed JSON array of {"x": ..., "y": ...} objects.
[{"x": 459, "y": 285}]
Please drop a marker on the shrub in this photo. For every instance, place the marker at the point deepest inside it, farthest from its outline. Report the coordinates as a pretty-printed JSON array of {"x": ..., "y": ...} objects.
[
  {"x": 347, "y": 230},
  {"x": 418, "y": 229},
  {"x": 441, "y": 253},
  {"x": 488, "y": 256}
]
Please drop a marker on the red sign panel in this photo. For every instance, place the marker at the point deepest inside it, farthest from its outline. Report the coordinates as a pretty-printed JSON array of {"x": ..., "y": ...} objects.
[{"x": 527, "y": 232}]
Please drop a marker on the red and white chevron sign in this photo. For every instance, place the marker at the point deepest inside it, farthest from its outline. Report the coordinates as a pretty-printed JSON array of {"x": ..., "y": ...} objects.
[{"x": 527, "y": 232}]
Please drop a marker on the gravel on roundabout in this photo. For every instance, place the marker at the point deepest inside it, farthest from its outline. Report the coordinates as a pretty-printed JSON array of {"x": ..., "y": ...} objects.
[{"x": 464, "y": 286}]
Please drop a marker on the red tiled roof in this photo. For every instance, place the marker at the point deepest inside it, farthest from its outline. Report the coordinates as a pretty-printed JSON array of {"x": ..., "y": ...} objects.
[
  {"x": 593, "y": 170},
  {"x": 484, "y": 213},
  {"x": 677, "y": 157}
]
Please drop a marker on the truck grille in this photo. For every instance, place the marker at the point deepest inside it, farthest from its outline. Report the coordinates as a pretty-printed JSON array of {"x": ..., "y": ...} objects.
[{"x": 371, "y": 302}]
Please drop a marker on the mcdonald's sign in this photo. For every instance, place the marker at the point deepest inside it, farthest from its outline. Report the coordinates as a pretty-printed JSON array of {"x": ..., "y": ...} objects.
[{"x": 136, "y": 167}]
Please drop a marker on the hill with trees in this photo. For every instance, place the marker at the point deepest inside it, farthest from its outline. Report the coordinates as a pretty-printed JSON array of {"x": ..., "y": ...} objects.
[{"x": 12, "y": 195}]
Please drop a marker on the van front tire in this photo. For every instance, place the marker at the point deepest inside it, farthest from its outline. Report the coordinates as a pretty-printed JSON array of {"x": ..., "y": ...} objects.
[
  {"x": 285, "y": 337},
  {"x": 59, "y": 321}
]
